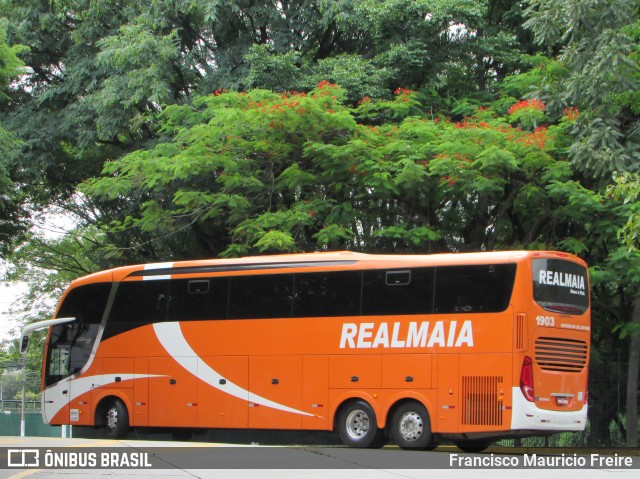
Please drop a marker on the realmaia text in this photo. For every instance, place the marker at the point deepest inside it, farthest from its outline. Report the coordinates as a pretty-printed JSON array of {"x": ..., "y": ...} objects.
[{"x": 417, "y": 335}]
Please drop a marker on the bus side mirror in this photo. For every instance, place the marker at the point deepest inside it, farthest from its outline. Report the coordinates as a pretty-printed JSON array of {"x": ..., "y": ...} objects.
[
  {"x": 23, "y": 344},
  {"x": 29, "y": 328}
]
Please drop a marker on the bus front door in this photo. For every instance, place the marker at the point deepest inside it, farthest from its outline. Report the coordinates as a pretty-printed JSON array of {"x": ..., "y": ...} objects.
[{"x": 55, "y": 397}]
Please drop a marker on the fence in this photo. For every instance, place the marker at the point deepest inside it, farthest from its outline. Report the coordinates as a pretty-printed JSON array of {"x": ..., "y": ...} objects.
[
  {"x": 10, "y": 425},
  {"x": 12, "y": 406}
]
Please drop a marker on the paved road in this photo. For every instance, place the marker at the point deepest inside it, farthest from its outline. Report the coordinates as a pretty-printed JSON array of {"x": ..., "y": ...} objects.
[{"x": 213, "y": 460}]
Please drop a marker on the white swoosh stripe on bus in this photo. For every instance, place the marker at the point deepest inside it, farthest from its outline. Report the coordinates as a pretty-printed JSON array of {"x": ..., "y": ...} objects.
[
  {"x": 80, "y": 386},
  {"x": 171, "y": 337}
]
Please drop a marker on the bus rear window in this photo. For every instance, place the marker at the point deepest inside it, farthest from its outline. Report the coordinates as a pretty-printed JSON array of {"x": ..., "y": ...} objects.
[{"x": 560, "y": 286}]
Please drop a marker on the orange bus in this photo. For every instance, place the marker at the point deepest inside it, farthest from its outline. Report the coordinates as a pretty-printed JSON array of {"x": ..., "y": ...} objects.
[{"x": 412, "y": 348}]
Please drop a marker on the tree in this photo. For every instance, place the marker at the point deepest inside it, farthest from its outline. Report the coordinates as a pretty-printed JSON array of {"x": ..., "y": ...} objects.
[
  {"x": 102, "y": 71},
  {"x": 598, "y": 72},
  {"x": 11, "y": 210},
  {"x": 598, "y": 45},
  {"x": 258, "y": 171},
  {"x": 627, "y": 189}
]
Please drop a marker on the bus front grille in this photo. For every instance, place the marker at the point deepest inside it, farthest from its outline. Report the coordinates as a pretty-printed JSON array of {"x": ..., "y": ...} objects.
[{"x": 559, "y": 354}]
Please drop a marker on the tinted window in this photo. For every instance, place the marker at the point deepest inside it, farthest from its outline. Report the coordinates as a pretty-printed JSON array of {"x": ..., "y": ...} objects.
[
  {"x": 70, "y": 344},
  {"x": 560, "y": 286},
  {"x": 195, "y": 299},
  {"x": 328, "y": 294},
  {"x": 474, "y": 289},
  {"x": 263, "y": 296},
  {"x": 398, "y": 292},
  {"x": 85, "y": 303},
  {"x": 140, "y": 302}
]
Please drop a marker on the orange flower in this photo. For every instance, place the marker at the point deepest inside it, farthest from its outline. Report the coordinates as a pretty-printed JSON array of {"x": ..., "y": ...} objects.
[
  {"x": 403, "y": 91},
  {"x": 534, "y": 104},
  {"x": 571, "y": 113},
  {"x": 325, "y": 83}
]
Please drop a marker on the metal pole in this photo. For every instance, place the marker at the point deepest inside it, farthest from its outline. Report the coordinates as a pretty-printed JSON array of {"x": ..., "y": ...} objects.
[{"x": 24, "y": 393}]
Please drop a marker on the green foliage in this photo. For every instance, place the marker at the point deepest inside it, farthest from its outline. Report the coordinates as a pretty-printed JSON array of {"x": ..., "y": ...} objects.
[
  {"x": 141, "y": 74},
  {"x": 277, "y": 72},
  {"x": 12, "y": 212},
  {"x": 266, "y": 172},
  {"x": 102, "y": 72},
  {"x": 627, "y": 189},
  {"x": 360, "y": 77},
  {"x": 10, "y": 64},
  {"x": 598, "y": 46}
]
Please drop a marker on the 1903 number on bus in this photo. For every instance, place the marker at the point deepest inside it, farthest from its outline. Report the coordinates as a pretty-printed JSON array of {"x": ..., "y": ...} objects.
[{"x": 545, "y": 320}]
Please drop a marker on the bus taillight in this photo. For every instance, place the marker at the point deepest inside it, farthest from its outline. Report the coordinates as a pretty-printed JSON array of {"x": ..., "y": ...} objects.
[{"x": 526, "y": 379}]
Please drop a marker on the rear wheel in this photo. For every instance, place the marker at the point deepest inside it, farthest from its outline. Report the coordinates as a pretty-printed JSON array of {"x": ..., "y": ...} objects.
[
  {"x": 411, "y": 426},
  {"x": 358, "y": 427},
  {"x": 116, "y": 419}
]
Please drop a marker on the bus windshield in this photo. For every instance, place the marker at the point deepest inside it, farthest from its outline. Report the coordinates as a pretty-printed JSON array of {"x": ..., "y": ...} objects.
[{"x": 70, "y": 344}]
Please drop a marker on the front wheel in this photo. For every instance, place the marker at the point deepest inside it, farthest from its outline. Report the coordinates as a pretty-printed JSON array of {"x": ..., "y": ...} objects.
[
  {"x": 411, "y": 426},
  {"x": 357, "y": 426},
  {"x": 116, "y": 420}
]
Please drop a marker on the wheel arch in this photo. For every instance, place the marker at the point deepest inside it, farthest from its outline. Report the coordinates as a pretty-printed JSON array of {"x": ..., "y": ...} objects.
[{"x": 99, "y": 414}]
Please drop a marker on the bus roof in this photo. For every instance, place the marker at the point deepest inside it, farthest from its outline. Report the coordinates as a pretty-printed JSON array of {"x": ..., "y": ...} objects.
[{"x": 314, "y": 261}]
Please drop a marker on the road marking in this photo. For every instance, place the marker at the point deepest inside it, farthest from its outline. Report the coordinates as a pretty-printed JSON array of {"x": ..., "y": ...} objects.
[{"x": 22, "y": 474}]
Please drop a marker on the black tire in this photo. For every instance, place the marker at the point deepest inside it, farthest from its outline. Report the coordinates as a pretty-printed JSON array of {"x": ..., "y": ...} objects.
[
  {"x": 116, "y": 420},
  {"x": 410, "y": 426},
  {"x": 477, "y": 445},
  {"x": 358, "y": 427}
]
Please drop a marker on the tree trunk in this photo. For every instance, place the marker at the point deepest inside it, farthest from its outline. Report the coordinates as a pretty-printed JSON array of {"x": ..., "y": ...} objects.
[{"x": 632, "y": 378}]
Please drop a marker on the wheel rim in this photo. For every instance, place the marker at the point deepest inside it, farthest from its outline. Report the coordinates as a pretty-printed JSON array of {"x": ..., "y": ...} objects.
[
  {"x": 357, "y": 424},
  {"x": 112, "y": 418},
  {"x": 411, "y": 426}
]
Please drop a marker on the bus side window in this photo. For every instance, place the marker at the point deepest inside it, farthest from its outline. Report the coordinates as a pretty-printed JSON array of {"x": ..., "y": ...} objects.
[
  {"x": 331, "y": 293},
  {"x": 397, "y": 292},
  {"x": 198, "y": 299},
  {"x": 261, "y": 296},
  {"x": 474, "y": 289},
  {"x": 140, "y": 303}
]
